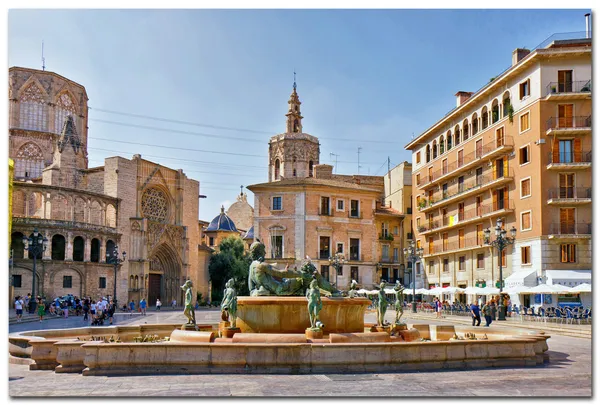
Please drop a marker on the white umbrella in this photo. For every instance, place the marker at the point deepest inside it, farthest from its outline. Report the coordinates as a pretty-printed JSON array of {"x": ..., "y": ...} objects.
[
  {"x": 452, "y": 290},
  {"x": 542, "y": 289},
  {"x": 432, "y": 291},
  {"x": 518, "y": 289},
  {"x": 585, "y": 287},
  {"x": 473, "y": 290},
  {"x": 490, "y": 291},
  {"x": 389, "y": 290},
  {"x": 561, "y": 289}
]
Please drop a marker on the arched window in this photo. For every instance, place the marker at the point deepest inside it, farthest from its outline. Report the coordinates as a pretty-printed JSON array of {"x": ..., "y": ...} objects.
[
  {"x": 95, "y": 251},
  {"x": 296, "y": 125},
  {"x": 33, "y": 111},
  {"x": 484, "y": 118},
  {"x": 78, "y": 249},
  {"x": 475, "y": 123},
  {"x": 131, "y": 283},
  {"x": 505, "y": 104},
  {"x": 442, "y": 145},
  {"x": 294, "y": 172},
  {"x": 110, "y": 247},
  {"x": 495, "y": 112},
  {"x": 465, "y": 130},
  {"x": 434, "y": 149},
  {"x": 427, "y": 153},
  {"x": 136, "y": 283},
  {"x": 16, "y": 245},
  {"x": 449, "y": 140},
  {"x": 64, "y": 107},
  {"x": 29, "y": 161},
  {"x": 277, "y": 169},
  {"x": 310, "y": 168},
  {"x": 456, "y": 135},
  {"x": 58, "y": 247}
]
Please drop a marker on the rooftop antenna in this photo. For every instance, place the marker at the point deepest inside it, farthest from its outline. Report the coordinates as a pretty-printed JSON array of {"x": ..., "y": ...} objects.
[
  {"x": 43, "y": 59},
  {"x": 336, "y": 156},
  {"x": 359, "y": 166}
]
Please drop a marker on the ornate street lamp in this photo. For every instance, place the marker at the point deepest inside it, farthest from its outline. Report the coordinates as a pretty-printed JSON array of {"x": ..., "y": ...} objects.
[
  {"x": 413, "y": 254},
  {"x": 36, "y": 245},
  {"x": 337, "y": 262},
  {"x": 501, "y": 242},
  {"x": 113, "y": 258}
]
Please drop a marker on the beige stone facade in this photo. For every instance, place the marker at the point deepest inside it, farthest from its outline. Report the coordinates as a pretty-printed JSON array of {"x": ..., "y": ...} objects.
[
  {"x": 241, "y": 213},
  {"x": 147, "y": 210},
  {"x": 518, "y": 150}
]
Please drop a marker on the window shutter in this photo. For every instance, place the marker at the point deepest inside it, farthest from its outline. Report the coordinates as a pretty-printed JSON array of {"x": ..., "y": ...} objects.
[
  {"x": 577, "y": 147},
  {"x": 572, "y": 247},
  {"x": 555, "y": 150},
  {"x": 506, "y": 167}
]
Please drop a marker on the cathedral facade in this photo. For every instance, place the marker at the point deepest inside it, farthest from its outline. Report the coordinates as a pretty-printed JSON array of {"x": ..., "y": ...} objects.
[{"x": 148, "y": 210}]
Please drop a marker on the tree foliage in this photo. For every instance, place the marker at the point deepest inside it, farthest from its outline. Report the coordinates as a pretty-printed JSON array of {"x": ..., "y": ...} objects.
[{"x": 230, "y": 262}]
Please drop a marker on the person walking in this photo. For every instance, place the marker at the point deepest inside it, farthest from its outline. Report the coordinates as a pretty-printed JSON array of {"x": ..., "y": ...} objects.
[
  {"x": 66, "y": 310},
  {"x": 19, "y": 307},
  {"x": 41, "y": 310},
  {"x": 438, "y": 307},
  {"x": 158, "y": 304},
  {"x": 143, "y": 306},
  {"x": 111, "y": 311},
  {"x": 475, "y": 314},
  {"x": 174, "y": 304},
  {"x": 93, "y": 309},
  {"x": 493, "y": 307},
  {"x": 131, "y": 307},
  {"x": 86, "y": 309},
  {"x": 487, "y": 313}
]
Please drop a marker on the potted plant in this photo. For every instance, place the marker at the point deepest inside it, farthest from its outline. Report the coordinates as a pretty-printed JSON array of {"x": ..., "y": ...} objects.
[
  {"x": 511, "y": 112},
  {"x": 422, "y": 204},
  {"x": 553, "y": 89}
]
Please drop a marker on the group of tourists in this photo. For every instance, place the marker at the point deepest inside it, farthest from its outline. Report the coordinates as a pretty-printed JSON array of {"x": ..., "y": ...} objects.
[{"x": 489, "y": 309}]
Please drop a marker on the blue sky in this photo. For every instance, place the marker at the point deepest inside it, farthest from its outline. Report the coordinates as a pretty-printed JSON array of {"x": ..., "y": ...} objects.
[{"x": 366, "y": 78}]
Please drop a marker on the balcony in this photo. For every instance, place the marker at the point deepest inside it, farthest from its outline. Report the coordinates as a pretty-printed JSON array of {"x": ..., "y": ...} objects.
[
  {"x": 564, "y": 126},
  {"x": 475, "y": 185},
  {"x": 569, "y": 160},
  {"x": 579, "y": 90},
  {"x": 453, "y": 247},
  {"x": 387, "y": 237},
  {"x": 570, "y": 230},
  {"x": 468, "y": 217},
  {"x": 570, "y": 195},
  {"x": 470, "y": 160},
  {"x": 55, "y": 223}
]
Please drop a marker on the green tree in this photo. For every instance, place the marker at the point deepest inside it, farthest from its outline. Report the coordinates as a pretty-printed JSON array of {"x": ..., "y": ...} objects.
[{"x": 230, "y": 262}]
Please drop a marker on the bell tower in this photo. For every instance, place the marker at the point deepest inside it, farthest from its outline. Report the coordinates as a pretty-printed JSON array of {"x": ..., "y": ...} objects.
[{"x": 294, "y": 153}]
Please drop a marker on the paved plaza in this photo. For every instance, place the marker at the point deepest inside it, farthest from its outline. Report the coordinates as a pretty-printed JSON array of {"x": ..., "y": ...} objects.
[{"x": 567, "y": 374}]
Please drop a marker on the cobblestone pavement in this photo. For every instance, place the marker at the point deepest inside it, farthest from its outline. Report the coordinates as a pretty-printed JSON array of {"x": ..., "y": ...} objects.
[{"x": 568, "y": 374}]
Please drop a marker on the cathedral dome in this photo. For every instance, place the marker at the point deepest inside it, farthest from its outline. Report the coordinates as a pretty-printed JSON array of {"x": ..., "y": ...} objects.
[{"x": 222, "y": 223}]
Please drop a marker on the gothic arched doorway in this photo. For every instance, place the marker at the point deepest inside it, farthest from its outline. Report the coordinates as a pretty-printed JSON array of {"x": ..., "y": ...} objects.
[{"x": 166, "y": 276}]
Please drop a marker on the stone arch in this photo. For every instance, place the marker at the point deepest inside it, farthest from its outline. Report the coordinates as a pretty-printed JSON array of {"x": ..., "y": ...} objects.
[
  {"x": 505, "y": 103},
  {"x": 495, "y": 111},
  {"x": 449, "y": 140},
  {"x": 79, "y": 206},
  {"x": 427, "y": 153},
  {"x": 111, "y": 216},
  {"x": 166, "y": 271},
  {"x": 465, "y": 129},
  {"x": 29, "y": 161},
  {"x": 475, "y": 123},
  {"x": 95, "y": 250},
  {"x": 456, "y": 135},
  {"x": 110, "y": 246},
  {"x": 442, "y": 144},
  {"x": 95, "y": 213},
  {"x": 60, "y": 205},
  {"x": 484, "y": 117},
  {"x": 16, "y": 245},
  {"x": 78, "y": 249},
  {"x": 33, "y": 108},
  {"x": 434, "y": 149},
  {"x": 277, "y": 170},
  {"x": 77, "y": 281},
  {"x": 58, "y": 247},
  {"x": 131, "y": 282}
]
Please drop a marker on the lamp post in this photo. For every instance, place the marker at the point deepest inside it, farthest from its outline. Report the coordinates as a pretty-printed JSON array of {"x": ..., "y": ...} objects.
[
  {"x": 36, "y": 245},
  {"x": 501, "y": 242},
  {"x": 413, "y": 253},
  {"x": 337, "y": 261},
  {"x": 113, "y": 258}
]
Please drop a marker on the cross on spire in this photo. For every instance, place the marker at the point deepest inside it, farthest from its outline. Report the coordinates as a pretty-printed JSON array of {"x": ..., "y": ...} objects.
[{"x": 241, "y": 190}]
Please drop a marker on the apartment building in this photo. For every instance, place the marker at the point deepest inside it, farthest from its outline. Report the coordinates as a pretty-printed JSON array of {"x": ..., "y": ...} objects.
[{"x": 518, "y": 150}]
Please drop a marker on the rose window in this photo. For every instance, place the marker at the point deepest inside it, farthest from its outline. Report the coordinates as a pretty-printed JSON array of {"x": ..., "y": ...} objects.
[{"x": 154, "y": 205}]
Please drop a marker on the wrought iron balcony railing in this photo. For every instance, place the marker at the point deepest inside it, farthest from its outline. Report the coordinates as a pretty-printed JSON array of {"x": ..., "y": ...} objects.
[
  {"x": 570, "y": 228},
  {"x": 568, "y": 122},
  {"x": 569, "y": 157},
  {"x": 583, "y": 86},
  {"x": 570, "y": 192}
]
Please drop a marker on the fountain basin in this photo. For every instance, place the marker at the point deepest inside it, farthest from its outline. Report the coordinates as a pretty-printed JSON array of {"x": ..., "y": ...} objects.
[{"x": 290, "y": 314}]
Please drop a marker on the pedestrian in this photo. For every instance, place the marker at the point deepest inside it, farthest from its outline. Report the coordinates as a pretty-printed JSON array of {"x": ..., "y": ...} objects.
[
  {"x": 487, "y": 313},
  {"x": 438, "y": 307},
  {"x": 475, "y": 314},
  {"x": 111, "y": 311},
  {"x": 174, "y": 304},
  {"x": 27, "y": 301},
  {"x": 131, "y": 307},
  {"x": 41, "y": 310},
  {"x": 66, "y": 310},
  {"x": 143, "y": 306},
  {"x": 86, "y": 309},
  {"x": 158, "y": 304},
  {"x": 93, "y": 309},
  {"x": 493, "y": 307},
  {"x": 19, "y": 308}
]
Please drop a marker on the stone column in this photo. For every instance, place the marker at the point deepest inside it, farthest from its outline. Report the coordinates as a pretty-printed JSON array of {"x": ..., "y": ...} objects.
[
  {"x": 103, "y": 250},
  {"x": 87, "y": 249},
  {"x": 69, "y": 247}
]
